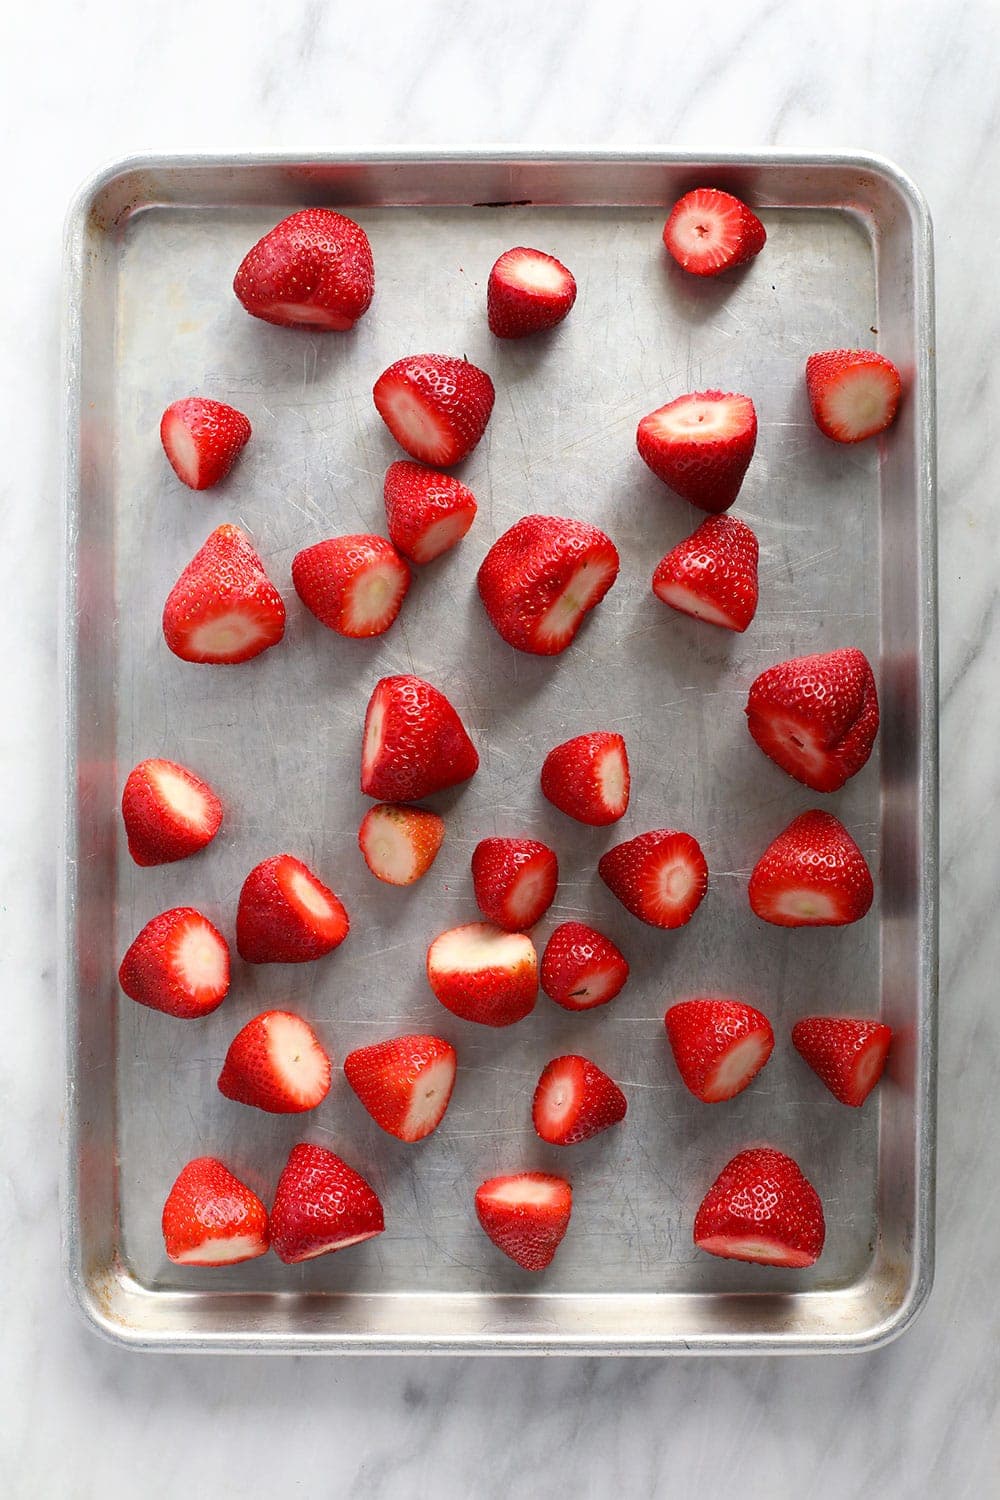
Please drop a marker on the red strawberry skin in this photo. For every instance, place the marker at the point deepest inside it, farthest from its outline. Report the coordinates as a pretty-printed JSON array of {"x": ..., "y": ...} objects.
[
  {"x": 158, "y": 834},
  {"x": 761, "y": 1208},
  {"x": 701, "y": 446},
  {"x": 542, "y": 577},
  {"x": 224, "y": 582},
  {"x": 427, "y": 513},
  {"x": 531, "y": 1230},
  {"x": 414, "y": 742},
  {"x": 660, "y": 877},
  {"x": 202, "y": 440},
  {"x": 274, "y": 926},
  {"x": 710, "y": 231},
  {"x": 321, "y": 1205},
  {"x": 712, "y": 574},
  {"x": 392, "y": 1077},
  {"x": 816, "y": 716},
  {"x": 527, "y": 292},
  {"x": 313, "y": 270},
  {"x": 812, "y": 875},
  {"x": 841, "y": 409},
  {"x": 574, "y": 1100},
  {"x": 581, "y": 968},
  {"x": 848, "y": 1054},
  {"x": 211, "y": 1218},
  {"x": 178, "y": 964},
  {"x": 588, "y": 778},
  {"x": 703, "y": 1033},
  {"x": 514, "y": 880},
  {"x": 249, "y": 1073},
  {"x": 481, "y": 979},
  {"x": 435, "y": 406},
  {"x": 328, "y": 576}
]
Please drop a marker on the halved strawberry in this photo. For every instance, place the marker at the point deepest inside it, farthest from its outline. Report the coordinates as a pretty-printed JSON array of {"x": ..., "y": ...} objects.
[
  {"x": 848, "y": 1054},
  {"x": 525, "y": 1215},
  {"x": 701, "y": 446},
  {"x": 761, "y": 1208},
  {"x": 527, "y": 292},
  {"x": 286, "y": 915},
  {"x": 853, "y": 393},
  {"x": 427, "y": 513},
  {"x": 313, "y": 270},
  {"x": 712, "y": 574},
  {"x": 414, "y": 742},
  {"x": 202, "y": 439},
  {"x": 539, "y": 580},
  {"x": 588, "y": 778},
  {"x": 483, "y": 974},
  {"x": 169, "y": 813},
  {"x": 321, "y": 1205},
  {"x": 276, "y": 1063},
  {"x": 816, "y": 716},
  {"x": 405, "y": 1083},
  {"x": 354, "y": 585},
  {"x": 514, "y": 880},
  {"x": 435, "y": 406},
  {"x": 661, "y": 877},
  {"x": 719, "y": 1045},
  {"x": 581, "y": 968},
  {"x": 211, "y": 1218},
  {"x": 223, "y": 608},
  {"x": 574, "y": 1100},
  {"x": 813, "y": 875},
  {"x": 179, "y": 964},
  {"x": 709, "y": 231},
  {"x": 400, "y": 844}
]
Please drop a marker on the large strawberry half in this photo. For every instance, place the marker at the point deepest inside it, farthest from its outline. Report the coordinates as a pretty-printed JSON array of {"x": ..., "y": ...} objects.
[
  {"x": 427, "y": 513},
  {"x": 761, "y": 1208},
  {"x": 414, "y": 742},
  {"x": 574, "y": 1100},
  {"x": 514, "y": 880},
  {"x": 313, "y": 270},
  {"x": 719, "y": 1045},
  {"x": 588, "y": 778},
  {"x": 223, "y": 608},
  {"x": 527, "y": 292},
  {"x": 847, "y": 1053},
  {"x": 286, "y": 915},
  {"x": 211, "y": 1218},
  {"x": 400, "y": 843},
  {"x": 483, "y": 974},
  {"x": 276, "y": 1063},
  {"x": 178, "y": 964},
  {"x": 354, "y": 585},
  {"x": 321, "y": 1205},
  {"x": 712, "y": 574},
  {"x": 853, "y": 393},
  {"x": 701, "y": 446},
  {"x": 710, "y": 231},
  {"x": 169, "y": 813},
  {"x": 812, "y": 875},
  {"x": 404, "y": 1083},
  {"x": 816, "y": 716},
  {"x": 539, "y": 580},
  {"x": 661, "y": 877},
  {"x": 435, "y": 406},
  {"x": 525, "y": 1215},
  {"x": 581, "y": 968}
]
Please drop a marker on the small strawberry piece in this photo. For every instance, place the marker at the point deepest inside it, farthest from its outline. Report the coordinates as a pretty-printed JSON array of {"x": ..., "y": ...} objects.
[
  {"x": 525, "y": 1215},
  {"x": 436, "y": 407},
  {"x": 701, "y": 445},
  {"x": 223, "y": 608},
  {"x": 527, "y": 292},
  {"x": 719, "y": 1046},
  {"x": 816, "y": 716},
  {"x": 709, "y": 231},
  {"x": 414, "y": 742},
  {"x": 405, "y": 1083},
  {"x": 169, "y": 813},
  {"x": 427, "y": 513},
  {"x": 211, "y": 1218},
  {"x": 321, "y": 1204},
  {"x": 514, "y": 880},
  {"x": 761, "y": 1208},
  {"x": 712, "y": 574},
  {"x": 179, "y": 964},
  {"x": 354, "y": 585},
  {"x": 400, "y": 844},
  {"x": 813, "y": 875},
  {"x": 581, "y": 968},
  {"x": 202, "y": 439},
  {"x": 848, "y": 1054},
  {"x": 276, "y": 1063},
  {"x": 587, "y": 778},
  {"x": 574, "y": 1100},
  {"x": 853, "y": 393},
  {"x": 313, "y": 270},
  {"x": 286, "y": 916},
  {"x": 483, "y": 974},
  {"x": 539, "y": 580},
  {"x": 661, "y": 876}
]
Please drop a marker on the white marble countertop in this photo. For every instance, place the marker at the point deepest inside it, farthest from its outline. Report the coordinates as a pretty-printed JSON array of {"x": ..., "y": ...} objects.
[{"x": 84, "y": 84}]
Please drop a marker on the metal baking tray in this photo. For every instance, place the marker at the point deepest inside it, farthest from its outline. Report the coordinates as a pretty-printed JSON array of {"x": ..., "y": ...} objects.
[{"x": 847, "y": 557}]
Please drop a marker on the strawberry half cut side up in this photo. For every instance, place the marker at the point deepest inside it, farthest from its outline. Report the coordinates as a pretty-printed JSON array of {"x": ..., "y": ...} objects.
[
  {"x": 514, "y": 881},
  {"x": 527, "y": 292},
  {"x": 816, "y": 716},
  {"x": 399, "y": 844},
  {"x": 178, "y": 964},
  {"x": 710, "y": 231},
  {"x": 277, "y": 1064},
  {"x": 701, "y": 446},
  {"x": 483, "y": 974},
  {"x": 660, "y": 877},
  {"x": 574, "y": 1100}
]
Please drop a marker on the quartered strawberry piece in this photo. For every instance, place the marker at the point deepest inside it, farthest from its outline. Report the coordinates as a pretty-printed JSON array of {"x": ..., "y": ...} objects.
[
  {"x": 202, "y": 439},
  {"x": 712, "y": 574},
  {"x": 435, "y": 406},
  {"x": 321, "y": 1205},
  {"x": 400, "y": 844},
  {"x": 427, "y": 513},
  {"x": 405, "y": 1083},
  {"x": 525, "y": 1215},
  {"x": 169, "y": 813},
  {"x": 539, "y": 580},
  {"x": 211, "y": 1218},
  {"x": 701, "y": 446},
  {"x": 223, "y": 608},
  {"x": 414, "y": 742},
  {"x": 313, "y": 270},
  {"x": 661, "y": 877},
  {"x": 179, "y": 964},
  {"x": 848, "y": 1054},
  {"x": 853, "y": 393},
  {"x": 709, "y": 231},
  {"x": 719, "y": 1045},
  {"x": 761, "y": 1208},
  {"x": 286, "y": 915},
  {"x": 276, "y": 1063},
  {"x": 514, "y": 880},
  {"x": 813, "y": 875},
  {"x": 354, "y": 585},
  {"x": 588, "y": 778},
  {"x": 581, "y": 968},
  {"x": 483, "y": 974},
  {"x": 574, "y": 1100},
  {"x": 816, "y": 716},
  {"x": 528, "y": 291}
]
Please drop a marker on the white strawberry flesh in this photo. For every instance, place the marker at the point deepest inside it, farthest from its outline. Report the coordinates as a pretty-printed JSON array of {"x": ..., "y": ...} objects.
[
  {"x": 694, "y": 420},
  {"x": 859, "y": 403},
  {"x": 415, "y": 426},
  {"x": 389, "y": 850},
  {"x": 299, "y": 1064},
  {"x": 431, "y": 1093},
  {"x": 185, "y": 802},
  {"x": 736, "y": 1067},
  {"x": 225, "y": 1250},
  {"x": 613, "y": 781},
  {"x": 200, "y": 961},
  {"x": 587, "y": 584},
  {"x": 372, "y": 601},
  {"x": 181, "y": 448},
  {"x": 680, "y": 596},
  {"x": 479, "y": 946},
  {"x": 531, "y": 272},
  {"x": 757, "y": 1248},
  {"x": 229, "y": 634}
]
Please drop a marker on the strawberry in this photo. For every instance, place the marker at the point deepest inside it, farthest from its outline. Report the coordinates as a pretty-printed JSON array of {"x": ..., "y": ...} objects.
[
  {"x": 701, "y": 445},
  {"x": 483, "y": 974},
  {"x": 514, "y": 881},
  {"x": 661, "y": 877},
  {"x": 321, "y": 1204},
  {"x": 527, "y": 292},
  {"x": 313, "y": 270},
  {"x": 211, "y": 1218},
  {"x": 574, "y": 1100},
  {"x": 414, "y": 742},
  {"x": 541, "y": 577},
  {"x": 816, "y": 716},
  {"x": 525, "y": 1215},
  {"x": 276, "y": 1063},
  {"x": 712, "y": 574},
  {"x": 223, "y": 608},
  {"x": 853, "y": 393},
  {"x": 813, "y": 875},
  {"x": 427, "y": 513},
  {"x": 719, "y": 1046},
  {"x": 587, "y": 778},
  {"x": 848, "y": 1054},
  {"x": 203, "y": 439},
  {"x": 709, "y": 231},
  {"x": 400, "y": 844},
  {"x": 405, "y": 1083},
  {"x": 581, "y": 968},
  {"x": 169, "y": 813},
  {"x": 179, "y": 963},
  {"x": 436, "y": 407},
  {"x": 761, "y": 1208},
  {"x": 286, "y": 916},
  {"x": 354, "y": 585}
]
